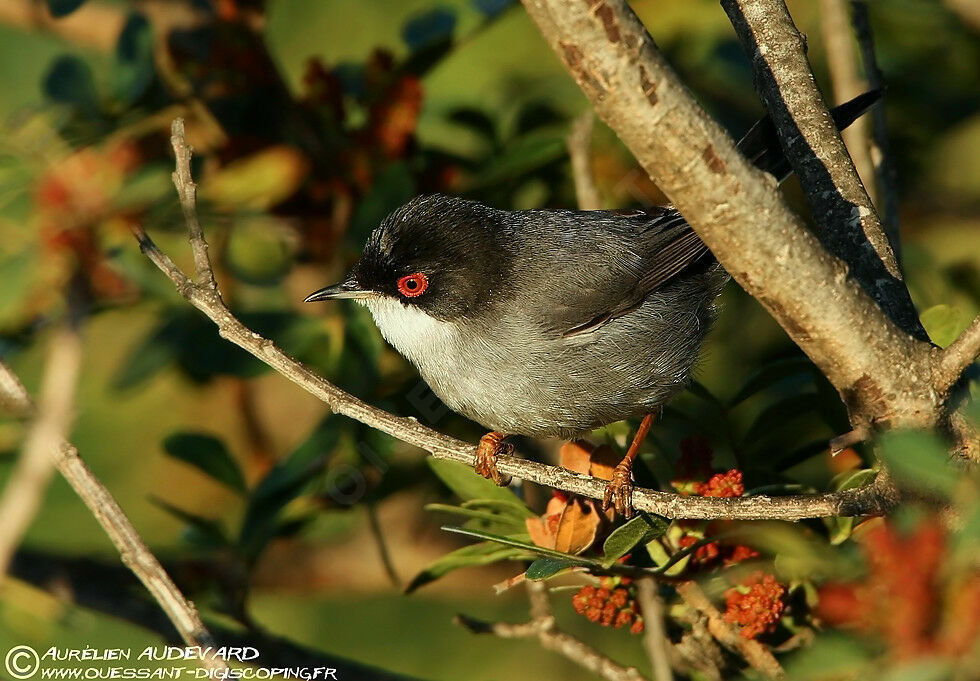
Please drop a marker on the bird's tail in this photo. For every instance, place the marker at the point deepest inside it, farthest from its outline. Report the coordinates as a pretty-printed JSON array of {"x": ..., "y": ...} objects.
[{"x": 761, "y": 143}]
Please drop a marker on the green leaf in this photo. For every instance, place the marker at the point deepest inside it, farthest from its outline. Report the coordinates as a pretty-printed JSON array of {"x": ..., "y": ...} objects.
[
  {"x": 922, "y": 669},
  {"x": 642, "y": 529},
  {"x": 209, "y": 455},
  {"x": 259, "y": 251},
  {"x": 832, "y": 656},
  {"x": 430, "y": 27},
  {"x": 526, "y": 154},
  {"x": 543, "y": 568},
  {"x": 210, "y": 531},
  {"x": 483, "y": 553},
  {"x": 284, "y": 483},
  {"x": 391, "y": 189},
  {"x": 944, "y": 323},
  {"x": 918, "y": 461},
  {"x": 462, "y": 480},
  {"x": 62, "y": 8},
  {"x": 70, "y": 81},
  {"x": 778, "y": 414},
  {"x": 525, "y": 545},
  {"x": 134, "y": 69},
  {"x": 513, "y": 508},
  {"x": 771, "y": 374},
  {"x": 483, "y": 520}
]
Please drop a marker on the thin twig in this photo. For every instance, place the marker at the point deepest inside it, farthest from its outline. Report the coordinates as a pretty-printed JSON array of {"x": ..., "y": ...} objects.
[
  {"x": 379, "y": 540},
  {"x": 134, "y": 552},
  {"x": 960, "y": 354},
  {"x": 542, "y": 627},
  {"x": 886, "y": 181},
  {"x": 30, "y": 477},
  {"x": 849, "y": 224},
  {"x": 754, "y": 652},
  {"x": 187, "y": 192},
  {"x": 872, "y": 500},
  {"x": 579, "y": 142},
  {"x": 847, "y": 83},
  {"x": 654, "y": 632}
]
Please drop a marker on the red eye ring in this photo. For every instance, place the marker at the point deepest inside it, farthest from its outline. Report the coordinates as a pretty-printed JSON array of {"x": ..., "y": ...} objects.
[{"x": 412, "y": 285}]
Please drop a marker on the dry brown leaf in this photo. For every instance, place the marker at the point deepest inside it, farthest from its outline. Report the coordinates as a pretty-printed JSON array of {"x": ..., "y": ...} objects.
[{"x": 577, "y": 527}]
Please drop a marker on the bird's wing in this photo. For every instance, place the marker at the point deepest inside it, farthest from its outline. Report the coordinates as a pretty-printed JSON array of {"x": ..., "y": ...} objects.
[{"x": 608, "y": 263}]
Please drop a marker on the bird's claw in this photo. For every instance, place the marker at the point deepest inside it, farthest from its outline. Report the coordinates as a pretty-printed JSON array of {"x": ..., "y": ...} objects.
[
  {"x": 619, "y": 491},
  {"x": 491, "y": 446}
]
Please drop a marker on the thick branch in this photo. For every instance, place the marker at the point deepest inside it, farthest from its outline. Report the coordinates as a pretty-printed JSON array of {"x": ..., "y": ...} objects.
[
  {"x": 738, "y": 211},
  {"x": 871, "y": 500},
  {"x": 961, "y": 353},
  {"x": 134, "y": 552},
  {"x": 754, "y": 652},
  {"x": 848, "y": 222}
]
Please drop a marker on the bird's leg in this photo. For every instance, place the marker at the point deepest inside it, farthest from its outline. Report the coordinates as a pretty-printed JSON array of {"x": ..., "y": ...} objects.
[
  {"x": 619, "y": 491},
  {"x": 491, "y": 446}
]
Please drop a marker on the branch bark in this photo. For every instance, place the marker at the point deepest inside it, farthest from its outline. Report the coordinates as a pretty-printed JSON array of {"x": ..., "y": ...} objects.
[
  {"x": 542, "y": 627},
  {"x": 881, "y": 148},
  {"x": 132, "y": 550},
  {"x": 849, "y": 225},
  {"x": 847, "y": 82},
  {"x": 104, "y": 588},
  {"x": 30, "y": 477},
  {"x": 960, "y": 354},
  {"x": 654, "y": 633},
  {"x": 872, "y": 500},
  {"x": 754, "y": 652},
  {"x": 579, "y": 143},
  {"x": 740, "y": 214}
]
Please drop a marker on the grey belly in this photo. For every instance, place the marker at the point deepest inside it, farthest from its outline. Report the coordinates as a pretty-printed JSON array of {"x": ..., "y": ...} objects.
[{"x": 543, "y": 385}]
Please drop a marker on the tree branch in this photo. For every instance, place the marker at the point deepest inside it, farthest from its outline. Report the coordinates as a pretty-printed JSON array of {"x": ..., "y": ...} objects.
[
  {"x": 134, "y": 552},
  {"x": 872, "y": 500},
  {"x": 880, "y": 151},
  {"x": 24, "y": 492},
  {"x": 960, "y": 354},
  {"x": 835, "y": 26},
  {"x": 654, "y": 633},
  {"x": 97, "y": 586},
  {"x": 579, "y": 142},
  {"x": 542, "y": 626},
  {"x": 754, "y": 652},
  {"x": 739, "y": 212},
  {"x": 848, "y": 222}
]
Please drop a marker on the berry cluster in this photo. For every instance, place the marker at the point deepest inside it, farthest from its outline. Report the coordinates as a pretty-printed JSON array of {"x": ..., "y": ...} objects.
[
  {"x": 755, "y": 605},
  {"x": 611, "y": 605},
  {"x": 721, "y": 485}
]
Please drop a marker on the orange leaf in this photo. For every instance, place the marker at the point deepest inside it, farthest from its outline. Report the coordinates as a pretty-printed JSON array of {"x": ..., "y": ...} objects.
[{"x": 578, "y": 527}]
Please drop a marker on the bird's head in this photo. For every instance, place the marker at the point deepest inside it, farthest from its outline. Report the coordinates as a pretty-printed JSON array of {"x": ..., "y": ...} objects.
[{"x": 441, "y": 255}]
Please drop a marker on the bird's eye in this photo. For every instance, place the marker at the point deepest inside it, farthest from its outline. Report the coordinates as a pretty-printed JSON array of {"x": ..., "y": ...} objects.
[{"x": 412, "y": 285}]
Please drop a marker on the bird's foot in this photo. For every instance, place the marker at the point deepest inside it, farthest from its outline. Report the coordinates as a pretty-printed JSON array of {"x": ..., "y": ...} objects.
[
  {"x": 491, "y": 446},
  {"x": 619, "y": 491}
]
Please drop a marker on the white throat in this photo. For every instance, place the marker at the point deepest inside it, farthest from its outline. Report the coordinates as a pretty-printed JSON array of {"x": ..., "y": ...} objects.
[{"x": 423, "y": 340}]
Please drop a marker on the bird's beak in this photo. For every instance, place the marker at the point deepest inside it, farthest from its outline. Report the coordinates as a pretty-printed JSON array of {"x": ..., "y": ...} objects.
[{"x": 348, "y": 288}]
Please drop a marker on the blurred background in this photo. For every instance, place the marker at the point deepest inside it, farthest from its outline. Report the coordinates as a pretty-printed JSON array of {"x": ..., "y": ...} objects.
[{"x": 310, "y": 122}]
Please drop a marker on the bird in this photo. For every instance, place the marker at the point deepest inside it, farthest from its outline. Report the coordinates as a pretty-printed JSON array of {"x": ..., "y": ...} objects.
[{"x": 550, "y": 322}]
